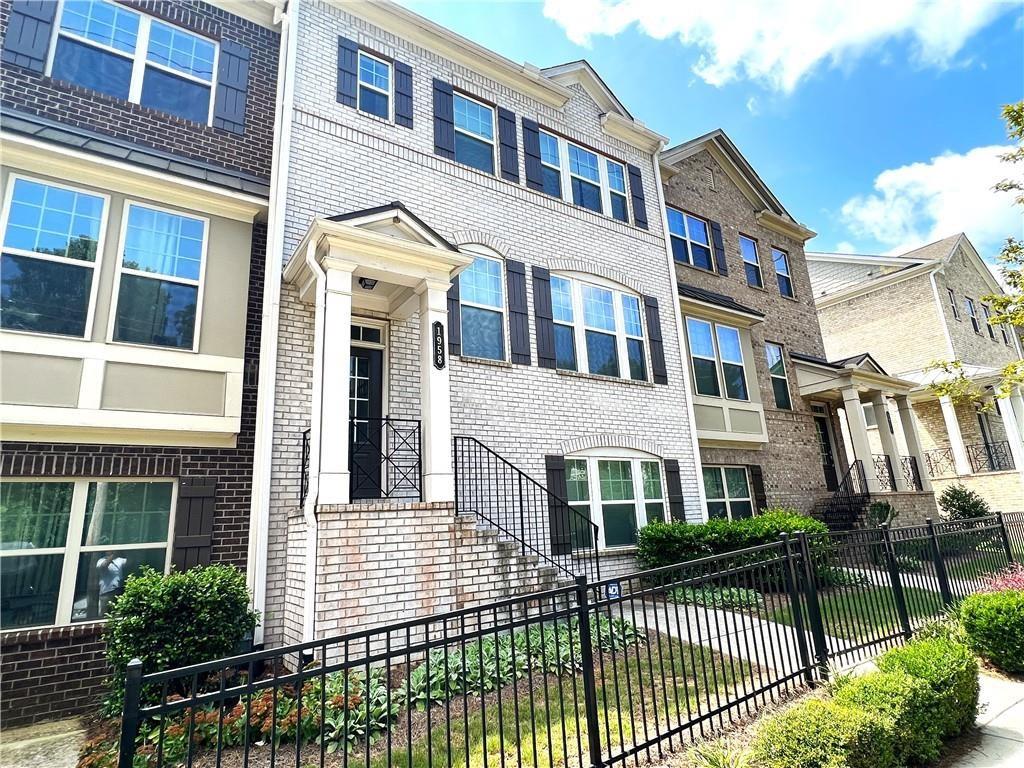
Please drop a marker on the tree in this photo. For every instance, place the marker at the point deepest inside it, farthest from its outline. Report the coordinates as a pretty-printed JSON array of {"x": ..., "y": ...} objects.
[{"x": 1006, "y": 308}]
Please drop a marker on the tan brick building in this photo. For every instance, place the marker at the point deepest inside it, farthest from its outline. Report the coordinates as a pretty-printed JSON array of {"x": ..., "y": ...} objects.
[{"x": 914, "y": 309}]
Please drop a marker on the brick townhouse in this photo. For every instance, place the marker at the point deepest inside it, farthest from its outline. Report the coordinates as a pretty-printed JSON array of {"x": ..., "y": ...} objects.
[
  {"x": 137, "y": 145},
  {"x": 474, "y": 252},
  {"x": 916, "y": 308}
]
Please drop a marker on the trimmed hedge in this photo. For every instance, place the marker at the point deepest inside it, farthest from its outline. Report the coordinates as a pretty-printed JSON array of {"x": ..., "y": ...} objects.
[
  {"x": 994, "y": 623},
  {"x": 660, "y": 544},
  {"x": 909, "y": 702},
  {"x": 950, "y": 670},
  {"x": 824, "y": 734}
]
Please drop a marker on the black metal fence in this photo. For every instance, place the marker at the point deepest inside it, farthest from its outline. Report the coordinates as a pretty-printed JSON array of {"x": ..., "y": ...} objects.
[{"x": 592, "y": 674}]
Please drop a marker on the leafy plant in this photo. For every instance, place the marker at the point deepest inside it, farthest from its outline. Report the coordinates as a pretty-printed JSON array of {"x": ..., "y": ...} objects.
[
  {"x": 718, "y": 597},
  {"x": 958, "y": 502},
  {"x": 719, "y": 754},
  {"x": 994, "y": 623},
  {"x": 881, "y": 513},
  {"x": 1011, "y": 577}
]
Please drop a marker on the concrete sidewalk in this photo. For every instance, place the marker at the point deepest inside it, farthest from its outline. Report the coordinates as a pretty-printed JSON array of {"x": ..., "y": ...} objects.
[{"x": 1001, "y": 724}]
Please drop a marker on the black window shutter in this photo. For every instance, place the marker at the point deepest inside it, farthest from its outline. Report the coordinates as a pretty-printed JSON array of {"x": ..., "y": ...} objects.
[
  {"x": 508, "y": 145},
  {"x": 757, "y": 483},
  {"x": 674, "y": 486},
  {"x": 29, "y": 28},
  {"x": 403, "y": 94},
  {"x": 232, "y": 87},
  {"x": 531, "y": 151},
  {"x": 543, "y": 317},
  {"x": 193, "y": 523},
  {"x": 444, "y": 119},
  {"x": 658, "y": 367},
  {"x": 719, "y": 247},
  {"x": 518, "y": 313},
  {"x": 636, "y": 191},
  {"x": 558, "y": 509},
  {"x": 348, "y": 71},
  {"x": 454, "y": 319}
]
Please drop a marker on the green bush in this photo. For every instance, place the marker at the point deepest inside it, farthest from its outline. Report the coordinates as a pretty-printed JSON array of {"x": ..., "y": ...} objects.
[
  {"x": 951, "y": 671},
  {"x": 958, "y": 502},
  {"x": 908, "y": 702},
  {"x": 718, "y": 597},
  {"x": 824, "y": 734},
  {"x": 994, "y": 623},
  {"x": 176, "y": 619},
  {"x": 660, "y": 544}
]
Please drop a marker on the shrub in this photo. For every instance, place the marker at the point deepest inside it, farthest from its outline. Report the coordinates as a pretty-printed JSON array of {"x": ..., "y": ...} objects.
[
  {"x": 824, "y": 734},
  {"x": 958, "y": 502},
  {"x": 994, "y": 623},
  {"x": 881, "y": 513},
  {"x": 1011, "y": 577},
  {"x": 660, "y": 544},
  {"x": 718, "y": 597},
  {"x": 175, "y": 620},
  {"x": 951, "y": 671},
  {"x": 908, "y": 702}
]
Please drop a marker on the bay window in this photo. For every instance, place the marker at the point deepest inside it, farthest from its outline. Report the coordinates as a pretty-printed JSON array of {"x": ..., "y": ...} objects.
[
  {"x": 598, "y": 328},
  {"x": 67, "y": 546},
  {"x": 620, "y": 492},
  {"x": 115, "y": 50},
  {"x": 716, "y": 357},
  {"x": 690, "y": 239},
  {"x": 52, "y": 242},
  {"x": 482, "y": 296},
  {"x": 727, "y": 490},
  {"x": 474, "y": 133}
]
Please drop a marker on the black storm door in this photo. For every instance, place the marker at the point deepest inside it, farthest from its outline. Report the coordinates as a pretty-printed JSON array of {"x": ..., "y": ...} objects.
[{"x": 365, "y": 390}]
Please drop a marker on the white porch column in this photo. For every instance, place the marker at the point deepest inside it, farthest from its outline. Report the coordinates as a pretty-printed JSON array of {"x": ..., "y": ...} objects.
[
  {"x": 956, "y": 439},
  {"x": 888, "y": 441},
  {"x": 1013, "y": 432},
  {"x": 337, "y": 346},
  {"x": 859, "y": 436},
  {"x": 1017, "y": 404},
  {"x": 908, "y": 423},
  {"x": 435, "y": 395}
]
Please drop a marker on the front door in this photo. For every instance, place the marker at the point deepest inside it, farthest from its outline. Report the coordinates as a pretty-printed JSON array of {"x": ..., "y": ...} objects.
[
  {"x": 365, "y": 390},
  {"x": 828, "y": 454}
]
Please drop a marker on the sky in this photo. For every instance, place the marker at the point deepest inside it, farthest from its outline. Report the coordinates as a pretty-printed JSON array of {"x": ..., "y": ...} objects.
[{"x": 875, "y": 122}]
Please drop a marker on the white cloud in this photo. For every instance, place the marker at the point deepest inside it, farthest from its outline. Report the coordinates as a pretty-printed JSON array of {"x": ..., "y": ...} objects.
[
  {"x": 753, "y": 107},
  {"x": 778, "y": 43},
  {"x": 922, "y": 202}
]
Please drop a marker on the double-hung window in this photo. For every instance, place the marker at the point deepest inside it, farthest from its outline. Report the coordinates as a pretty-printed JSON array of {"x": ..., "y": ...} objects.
[
  {"x": 953, "y": 304},
  {"x": 972, "y": 313},
  {"x": 52, "y": 241},
  {"x": 727, "y": 490},
  {"x": 988, "y": 322},
  {"x": 620, "y": 493},
  {"x": 751, "y": 261},
  {"x": 781, "y": 260},
  {"x": 617, "y": 190},
  {"x": 777, "y": 372},
  {"x": 482, "y": 296},
  {"x": 474, "y": 133},
  {"x": 716, "y": 355},
  {"x": 67, "y": 546},
  {"x": 550, "y": 164},
  {"x": 374, "y": 85},
  {"x": 585, "y": 178},
  {"x": 1004, "y": 329},
  {"x": 160, "y": 284},
  {"x": 598, "y": 329},
  {"x": 115, "y": 50},
  {"x": 690, "y": 238}
]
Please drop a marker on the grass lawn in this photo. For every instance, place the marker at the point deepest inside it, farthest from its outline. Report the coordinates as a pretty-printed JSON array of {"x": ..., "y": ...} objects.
[
  {"x": 865, "y": 612},
  {"x": 542, "y": 722}
]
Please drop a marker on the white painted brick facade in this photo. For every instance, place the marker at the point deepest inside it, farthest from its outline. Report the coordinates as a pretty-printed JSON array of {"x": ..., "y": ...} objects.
[{"x": 342, "y": 161}]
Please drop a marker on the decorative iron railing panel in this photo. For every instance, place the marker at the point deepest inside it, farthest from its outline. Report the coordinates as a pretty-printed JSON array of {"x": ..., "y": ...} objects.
[
  {"x": 941, "y": 462},
  {"x": 911, "y": 472},
  {"x": 990, "y": 457},
  {"x": 883, "y": 472},
  {"x": 384, "y": 459},
  {"x": 304, "y": 477}
]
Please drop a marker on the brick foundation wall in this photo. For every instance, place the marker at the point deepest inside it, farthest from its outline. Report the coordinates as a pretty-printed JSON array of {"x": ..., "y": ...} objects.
[
  {"x": 912, "y": 508},
  {"x": 1004, "y": 491}
]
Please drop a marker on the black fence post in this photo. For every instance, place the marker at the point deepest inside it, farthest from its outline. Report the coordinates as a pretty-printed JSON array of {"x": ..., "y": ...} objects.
[
  {"x": 940, "y": 564},
  {"x": 813, "y": 607},
  {"x": 1006, "y": 537},
  {"x": 589, "y": 682},
  {"x": 130, "y": 714},
  {"x": 798, "y": 618},
  {"x": 897, "y": 582}
]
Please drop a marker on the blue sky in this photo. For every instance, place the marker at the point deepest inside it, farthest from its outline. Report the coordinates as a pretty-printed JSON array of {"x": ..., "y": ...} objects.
[{"x": 881, "y": 134}]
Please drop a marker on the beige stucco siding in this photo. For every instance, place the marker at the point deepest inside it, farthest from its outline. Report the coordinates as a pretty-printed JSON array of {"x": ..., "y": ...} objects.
[{"x": 38, "y": 380}]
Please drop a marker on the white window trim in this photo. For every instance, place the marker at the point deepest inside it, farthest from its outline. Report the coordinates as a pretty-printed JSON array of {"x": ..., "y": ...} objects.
[
  {"x": 756, "y": 263},
  {"x": 592, "y": 456},
  {"x": 390, "y": 92},
  {"x": 579, "y": 324},
  {"x": 685, "y": 237},
  {"x": 988, "y": 322},
  {"x": 952, "y": 304},
  {"x": 719, "y": 370},
  {"x": 120, "y": 269},
  {"x": 725, "y": 489},
  {"x": 784, "y": 376},
  {"x": 495, "y": 160},
  {"x": 140, "y": 57},
  {"x": 566, "y": 177},
  {"x": 546, "y": 164},
  {"x": 602, "y": 177},
  {"x": 95, "y": 265},
  {"x": 788, "y": 273},
  {"x": 480, "y": 252},
  {"x": 607, "y": 187},
  {"x": 972, "y": 313},
  {"x": 1004, "y": 329},
  {"x": 73, "y": 547}
]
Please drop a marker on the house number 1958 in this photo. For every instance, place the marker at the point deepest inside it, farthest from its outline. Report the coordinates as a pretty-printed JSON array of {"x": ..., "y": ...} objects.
[{"x": 438, "y": 329}]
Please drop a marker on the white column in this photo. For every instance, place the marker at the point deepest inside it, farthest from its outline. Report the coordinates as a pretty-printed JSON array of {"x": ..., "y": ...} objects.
[
  {"x": 435, "y": 395},
  {"x": 888, "y": 441},
  {"x": 1013, "y": 432},
  {"x": 956, "y": 439},
  {"x": 859, "y": 436},
  {"x": 337, "y": 345},
  {"x": 1017, "y": 404},
  {"x": 908, "y": 423}
]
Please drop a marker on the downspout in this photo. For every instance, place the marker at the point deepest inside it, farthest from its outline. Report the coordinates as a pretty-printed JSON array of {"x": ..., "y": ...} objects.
[
  {"x": 316, "y": 407},
  {"x": 680, "y": 337},
  {"x": 259, "y": 516}
]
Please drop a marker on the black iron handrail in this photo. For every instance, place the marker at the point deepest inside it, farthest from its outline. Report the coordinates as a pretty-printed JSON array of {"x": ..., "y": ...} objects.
[
  {"x": 848, "y": 499},
  {"x": 883, "y": 472},
  {"x": 385, "y": 459},
  {"x": 543, "y": 524},
  {"x": 911, "y": 472},
  {"x": 990, "y": 457},
  {"x": 304, "y": 476},
  {"x": 940, "y": 462}
]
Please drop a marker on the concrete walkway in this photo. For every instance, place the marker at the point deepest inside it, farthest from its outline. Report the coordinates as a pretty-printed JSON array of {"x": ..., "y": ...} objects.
[
  {"x": 46, "y": 745},
  {"x": 1001, "y": 724}
]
